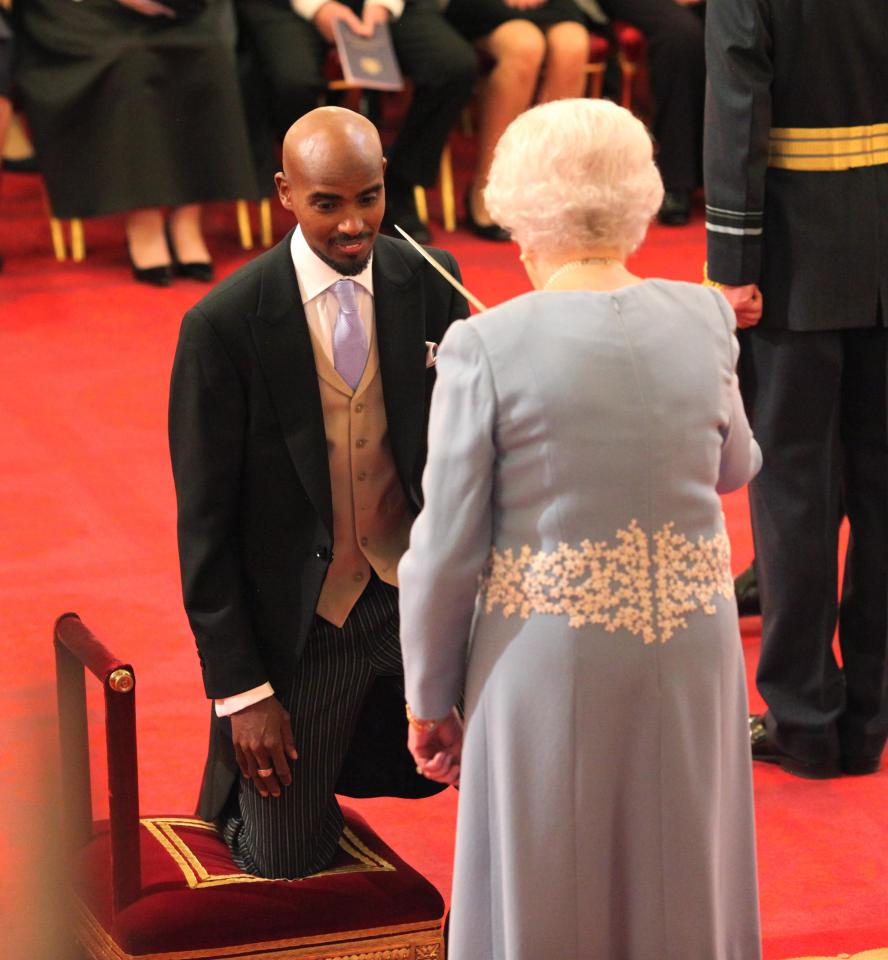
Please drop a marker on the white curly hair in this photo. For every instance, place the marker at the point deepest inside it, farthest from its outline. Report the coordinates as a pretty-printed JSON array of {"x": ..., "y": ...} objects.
[{"x": 573, "y": 174}]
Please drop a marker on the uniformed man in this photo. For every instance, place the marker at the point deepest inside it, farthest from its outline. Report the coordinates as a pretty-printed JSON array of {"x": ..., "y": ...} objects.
[{"x": 796, "y": 169}]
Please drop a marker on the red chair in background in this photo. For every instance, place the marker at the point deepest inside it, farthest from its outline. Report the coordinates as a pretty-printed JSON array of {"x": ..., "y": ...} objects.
[
  {"x": 632, "y": 52},
  {"x": 166, "y": 888},
  {"x": 596, "y": 65}
]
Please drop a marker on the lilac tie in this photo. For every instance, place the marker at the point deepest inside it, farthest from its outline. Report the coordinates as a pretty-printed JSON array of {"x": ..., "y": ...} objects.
[{"x": 349, "y": 340}]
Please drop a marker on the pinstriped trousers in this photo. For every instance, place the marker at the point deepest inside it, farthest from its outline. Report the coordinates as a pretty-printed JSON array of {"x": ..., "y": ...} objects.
[{"x": 297, "y": 834}]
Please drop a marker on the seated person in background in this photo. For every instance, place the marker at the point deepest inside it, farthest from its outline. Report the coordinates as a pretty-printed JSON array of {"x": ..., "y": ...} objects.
[
  {"x": 674, "y": 31},
  {"x": 290, "y": 39},
  {"x": 539, "y": 49},
  {"x": 135, "y": 106}
]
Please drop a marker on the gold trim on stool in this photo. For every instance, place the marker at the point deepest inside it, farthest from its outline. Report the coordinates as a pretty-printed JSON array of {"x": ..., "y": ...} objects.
[
  {"x": 409, "y": 941},
  {"x": 197, "y": 876}
]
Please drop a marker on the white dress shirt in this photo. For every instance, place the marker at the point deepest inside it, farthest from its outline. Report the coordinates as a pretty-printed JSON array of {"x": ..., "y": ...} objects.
[{"x": 321, "y": 310}]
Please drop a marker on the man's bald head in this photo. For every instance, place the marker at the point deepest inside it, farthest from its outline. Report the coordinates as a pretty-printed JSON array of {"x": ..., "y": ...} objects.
[
  {"x": 333, "y": 183},
  {"x": 331, "y": 141}
]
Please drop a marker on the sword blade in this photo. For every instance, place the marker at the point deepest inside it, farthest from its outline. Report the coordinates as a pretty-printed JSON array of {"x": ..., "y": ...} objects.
[{"x": 473, "y": 300}]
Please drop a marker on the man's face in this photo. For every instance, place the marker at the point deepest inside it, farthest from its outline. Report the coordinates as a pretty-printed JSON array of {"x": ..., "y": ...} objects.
[{"x": 339, "y": 203}]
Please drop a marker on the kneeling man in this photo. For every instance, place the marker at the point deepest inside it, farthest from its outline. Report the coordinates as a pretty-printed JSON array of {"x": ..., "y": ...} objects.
[{"x": 298, "y": 412}]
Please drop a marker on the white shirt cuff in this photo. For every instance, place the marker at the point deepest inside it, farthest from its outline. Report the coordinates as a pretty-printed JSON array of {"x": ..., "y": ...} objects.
[
  {"x": 308, "y": 8},
  {"x": 225, "y": 706}
]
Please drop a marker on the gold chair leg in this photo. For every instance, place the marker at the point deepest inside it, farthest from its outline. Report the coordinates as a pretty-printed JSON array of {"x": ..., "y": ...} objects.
[
  {"x": 58, "y": 239},
  {"x": 422, "y": 208},
  {"x": 265, "y": 222},
  {"x": 595, "y": 74},
  {"x": 448, "y": 199},
  {"x": 627, "y": 70},
  {"x": 78, "y": 244},
  {"x": 243, "y": 225}
]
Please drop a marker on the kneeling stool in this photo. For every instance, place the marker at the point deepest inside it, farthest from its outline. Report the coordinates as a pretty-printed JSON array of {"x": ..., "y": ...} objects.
[{"x": 166, "y": 888}]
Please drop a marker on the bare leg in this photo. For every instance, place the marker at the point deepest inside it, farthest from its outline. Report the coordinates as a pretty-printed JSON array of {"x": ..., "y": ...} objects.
[
  {"x": 518, "y": 47},
  {"x": 145, "y": 239},
  {"x": 187, "y": 235},
  {"x": 567, "y": 52}
]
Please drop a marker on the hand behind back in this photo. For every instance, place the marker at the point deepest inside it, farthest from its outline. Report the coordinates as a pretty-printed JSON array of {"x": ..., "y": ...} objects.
[{"x": 438, "y": 752}]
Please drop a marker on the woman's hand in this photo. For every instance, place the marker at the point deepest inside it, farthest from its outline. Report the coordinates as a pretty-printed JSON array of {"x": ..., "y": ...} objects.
[
  {"x": 373, "y": 14},
  {"x": 524, "y": 4},
  {"x": 331, "y": 11},
  {"x": 438, "y": 752},
  {"x": 149, "y": 8}
]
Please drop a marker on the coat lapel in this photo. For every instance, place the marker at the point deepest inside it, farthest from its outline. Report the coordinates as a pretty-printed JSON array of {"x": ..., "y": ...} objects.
[
  {"x": 280, "y": 332},
  {"x": 400, "y": 333}
]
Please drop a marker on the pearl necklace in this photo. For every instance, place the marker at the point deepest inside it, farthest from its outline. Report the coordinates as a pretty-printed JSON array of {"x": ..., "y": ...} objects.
[{"x": 577, "y": 264}]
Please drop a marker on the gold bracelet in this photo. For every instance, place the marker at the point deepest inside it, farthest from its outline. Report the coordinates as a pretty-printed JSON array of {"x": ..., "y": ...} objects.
[
  {"x": 424, "y": 726},
  {"x": 710, "y": 283}
]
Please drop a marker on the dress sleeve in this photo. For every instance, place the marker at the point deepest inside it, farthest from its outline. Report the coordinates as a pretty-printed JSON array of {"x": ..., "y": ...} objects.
[
  {"x": 737, "y": 125},
  {"x": 741, "y": 457},
  {"x": 451, "y": 538}
]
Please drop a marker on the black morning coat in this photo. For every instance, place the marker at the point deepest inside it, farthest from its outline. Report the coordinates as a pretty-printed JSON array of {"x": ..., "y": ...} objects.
[{"x": 250, "y": 465}]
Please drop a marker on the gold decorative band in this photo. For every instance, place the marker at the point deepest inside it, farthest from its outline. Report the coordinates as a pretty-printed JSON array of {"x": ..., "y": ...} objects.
[
  {"x": 627, "y": 586},
  {"x": 410, "y": 941},
  {"x": 167, "y": 833},
  {"x": 828, "y": 148}
]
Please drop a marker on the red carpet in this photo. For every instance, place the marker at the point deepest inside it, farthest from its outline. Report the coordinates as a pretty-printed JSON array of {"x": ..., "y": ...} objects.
[{"x": 87, "y": 521}]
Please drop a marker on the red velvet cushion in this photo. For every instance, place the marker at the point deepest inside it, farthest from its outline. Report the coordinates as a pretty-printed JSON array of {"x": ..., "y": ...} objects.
[{"x": 195, "y": 898}]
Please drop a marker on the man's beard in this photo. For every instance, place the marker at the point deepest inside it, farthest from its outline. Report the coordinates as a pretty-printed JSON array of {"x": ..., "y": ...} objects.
[{"x": 348, "y": 269}]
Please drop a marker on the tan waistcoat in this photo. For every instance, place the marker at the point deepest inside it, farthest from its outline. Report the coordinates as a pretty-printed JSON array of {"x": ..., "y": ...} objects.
[{"x": 371, "y": 516}]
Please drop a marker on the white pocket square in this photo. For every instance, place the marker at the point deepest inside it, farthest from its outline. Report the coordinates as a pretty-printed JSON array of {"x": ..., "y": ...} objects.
[{"x": 431, "y": 353}]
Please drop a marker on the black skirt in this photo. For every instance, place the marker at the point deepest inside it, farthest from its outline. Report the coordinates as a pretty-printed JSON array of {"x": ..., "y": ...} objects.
[
  {"x": 128, "y": 111},
  {"x": 5, "y": 56},
  {"x": 478, "y": 18}
]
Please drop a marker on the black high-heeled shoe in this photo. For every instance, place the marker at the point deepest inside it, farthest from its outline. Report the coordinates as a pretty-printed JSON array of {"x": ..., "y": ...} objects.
[
  {"x": 200, "y": 270},
  {"x": 161, "y": 276},
  {"x": 487, "y": 231}
]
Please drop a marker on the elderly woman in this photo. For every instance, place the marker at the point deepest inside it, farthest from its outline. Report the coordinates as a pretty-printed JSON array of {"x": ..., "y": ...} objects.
[{"x": 570, "y": 574}]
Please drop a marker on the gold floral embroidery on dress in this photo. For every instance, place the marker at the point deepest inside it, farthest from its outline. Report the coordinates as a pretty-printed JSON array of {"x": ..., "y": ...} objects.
[{"x": 613, "y": 586}]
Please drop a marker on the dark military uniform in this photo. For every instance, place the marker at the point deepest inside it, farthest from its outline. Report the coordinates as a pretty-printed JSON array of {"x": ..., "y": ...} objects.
[{"x": 796, "y": 170}]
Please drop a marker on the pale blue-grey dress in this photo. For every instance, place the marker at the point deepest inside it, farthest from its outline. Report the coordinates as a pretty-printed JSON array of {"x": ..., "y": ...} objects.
[{"x": 571, "y": 572}]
